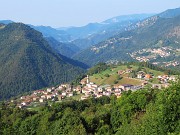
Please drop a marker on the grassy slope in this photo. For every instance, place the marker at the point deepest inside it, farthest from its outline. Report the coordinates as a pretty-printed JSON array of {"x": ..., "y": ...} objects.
[{"x": 101, "y": 79}]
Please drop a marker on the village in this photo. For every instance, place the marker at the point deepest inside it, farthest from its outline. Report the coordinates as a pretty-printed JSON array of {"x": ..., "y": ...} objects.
[
  {"x": 152, "y": 54},
  {"x": 88, "y": 89}
]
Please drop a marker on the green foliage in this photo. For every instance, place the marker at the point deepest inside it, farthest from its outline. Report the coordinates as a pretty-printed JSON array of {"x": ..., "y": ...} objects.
[
  {"x": 77, "y": 81},
  {"x": 106, "y": 75},
  {"x": 27, "y": 62},
  {"x": 143, "y": 112},
  {"x": 66, "y": 49},
  {"x": 98, "y": 68},
  {"x": 115, "y": 82}
]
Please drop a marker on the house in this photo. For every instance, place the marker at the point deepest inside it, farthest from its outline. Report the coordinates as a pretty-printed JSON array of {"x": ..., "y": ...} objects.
[
  {"x": 94, "y": 85},
  {"x": 109, "y": 89},
  {"x": 20, "y": 106},
  {"x": 83, "y": 82},
  {"x": 49, "y": 90},
  {"x": 120, "y": 72},
  {"x": 105, "y": 93},
  {"x": 49, "y": 96},
  {"x": 126, "y": 87},
  {"x": 70, "y": 94},
  {"x": 118, "y": 90},
  {"x": 144, "y": 83},
  {"x": 35, "y": 98},
  {"x": 45, "y": 92},
  {"x": 23, "y": 103},
  {"x": 148, "y": 76},
  {"x": 117, "y": 93},
  {"x": 23, "y": 97},
  {"x": 41, "y": 100},
  {"x": 77, "y": 89},
  {"x": 128, "y": 70},
  {"x": 172, "y": 78},
  {"x": 99, "y": 95},
  {"x": 64, "y": 93},
  {"x": 137, "y": 87},
  {"x": 100, "y": 89},
  {"x": 64, "y": 85},
  {"x": 140, "y": 76},
  {"x": 43, "y": 96},
  {"x": 59, "y": 88}
]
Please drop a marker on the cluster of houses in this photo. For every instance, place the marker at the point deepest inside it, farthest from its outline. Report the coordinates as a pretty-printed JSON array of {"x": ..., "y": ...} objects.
[
  {"x": 89, "y": 89},
  {"x": 148, "y": 54},
  {"x": 143, "y": 75},
  {"x": 171, "y": 63},
  {"x": 166, "y": 78},
  {"x": 50, "y": 94},
  {"x": 92, "y": 90}
]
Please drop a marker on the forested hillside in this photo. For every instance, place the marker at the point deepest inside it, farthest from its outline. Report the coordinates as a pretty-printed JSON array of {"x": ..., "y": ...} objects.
[
  {"x": 66, "y": 49},
  {"x": 155, "y": 39},
  {"x": 143, "y": 112},
  {"x": 27, "y": 62}
]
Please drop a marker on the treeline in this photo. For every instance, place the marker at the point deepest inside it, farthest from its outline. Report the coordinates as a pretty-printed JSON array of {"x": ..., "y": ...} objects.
[
  {"x": 154, "y": 67},
  {"x": 144, "y": 112},
  {"x": 103, "y": 66},
  {"x": 97, "y": 68}
]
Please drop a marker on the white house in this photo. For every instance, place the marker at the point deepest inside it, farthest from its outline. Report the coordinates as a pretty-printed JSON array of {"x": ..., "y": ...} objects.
[
  {"x": 41, "y": 100},
  {"x": 49, "y": 90}
]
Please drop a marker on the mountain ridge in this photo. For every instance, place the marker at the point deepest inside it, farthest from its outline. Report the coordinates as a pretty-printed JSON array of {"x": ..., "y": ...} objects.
[
  {"x": 29, "y": 63},
  {"x": 144, "y": 34}
]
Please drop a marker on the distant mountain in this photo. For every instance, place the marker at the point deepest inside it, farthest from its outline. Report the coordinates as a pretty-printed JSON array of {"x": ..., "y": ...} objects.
[
  {"x": 66, "y": 49},
  {"x": 84, "y": 31},
  {"x": 104, "y": 30},
  {"x": 27, "y": 62},
  {"x": 123, "y": 18},
  {"x": 170, "y": 13},
  {"x": 59, "y": 35},
  {"x": 91, "y": 33},
  {"x": 6, "y": 21},
  {"x": 138, "y": 42}
]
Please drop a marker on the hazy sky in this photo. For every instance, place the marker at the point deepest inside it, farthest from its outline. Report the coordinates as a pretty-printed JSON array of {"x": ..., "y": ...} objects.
[{"x": 60, "y": 13}]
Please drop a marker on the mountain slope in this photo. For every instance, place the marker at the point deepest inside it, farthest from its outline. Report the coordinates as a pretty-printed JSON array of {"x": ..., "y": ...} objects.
[
  {"x": 154, "y": 32},
  {"x": 6, "y": 21},
  {"x": 170, "y": 13},
  {"x": 27, "y": 62},
  {"x": 66, "y": 49},
  {"x": 106, "y": 29},
  {"x": 48, "y": 31}
]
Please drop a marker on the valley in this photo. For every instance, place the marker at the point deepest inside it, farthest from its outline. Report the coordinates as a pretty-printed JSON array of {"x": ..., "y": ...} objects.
[
  {"x": 68, "y": 52},
  {"x": 103, "y": 75},
  {"x": 113, "y": 80}
]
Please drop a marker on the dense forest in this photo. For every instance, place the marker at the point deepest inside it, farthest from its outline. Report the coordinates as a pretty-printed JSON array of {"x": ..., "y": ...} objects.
[
  {"x": 27, "y": 62},
  {"x": 144, "y": 112}
]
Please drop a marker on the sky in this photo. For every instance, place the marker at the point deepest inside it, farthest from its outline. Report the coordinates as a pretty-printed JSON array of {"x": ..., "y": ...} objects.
[{"x": 64, "y": 13}]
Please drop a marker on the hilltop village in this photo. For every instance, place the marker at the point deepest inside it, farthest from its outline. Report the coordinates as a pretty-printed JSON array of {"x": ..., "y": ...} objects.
[
  {"x": 153, "y": 54},
  {"x": 88, "y": 89}
]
